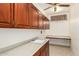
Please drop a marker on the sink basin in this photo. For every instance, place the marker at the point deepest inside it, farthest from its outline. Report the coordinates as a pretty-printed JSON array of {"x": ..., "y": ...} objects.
[{"x": 39, "y": 41}]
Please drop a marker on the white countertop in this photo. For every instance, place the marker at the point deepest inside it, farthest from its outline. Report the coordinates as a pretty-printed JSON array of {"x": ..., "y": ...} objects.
[{"x": 27, "y": 49}]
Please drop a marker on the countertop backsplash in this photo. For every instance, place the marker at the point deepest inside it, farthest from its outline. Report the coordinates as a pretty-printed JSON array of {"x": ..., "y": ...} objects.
[{"x": 13, "y": 36}]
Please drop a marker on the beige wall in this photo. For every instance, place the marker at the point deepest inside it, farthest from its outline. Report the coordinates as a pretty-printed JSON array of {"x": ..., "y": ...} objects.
[
  {"x": 59, "y": 28},
  {"x": 74, "y": 28},
  {"x": 13, "y": 36}
]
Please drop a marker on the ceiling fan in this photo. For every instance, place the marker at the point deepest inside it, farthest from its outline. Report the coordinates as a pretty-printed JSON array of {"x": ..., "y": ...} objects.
[{"x": 55, "y": 6}]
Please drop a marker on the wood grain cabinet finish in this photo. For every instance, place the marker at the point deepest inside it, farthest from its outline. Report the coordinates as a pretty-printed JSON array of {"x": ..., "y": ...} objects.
[
  {"x": 26, "y": 16},
  {"x": 40, "y": 21},
  {"x": 43, "y": 51},
  {"x": 6, "y": 13},
  {"x": 43, "y": 22},
  {"x": 21, "y": 15},
  {"x": 33, "y": 16},
  {"x": 38, "y": 53}
]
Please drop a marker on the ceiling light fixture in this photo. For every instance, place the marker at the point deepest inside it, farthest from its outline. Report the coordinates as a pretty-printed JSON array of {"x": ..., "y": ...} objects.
[{"x": 56, "y": 6}]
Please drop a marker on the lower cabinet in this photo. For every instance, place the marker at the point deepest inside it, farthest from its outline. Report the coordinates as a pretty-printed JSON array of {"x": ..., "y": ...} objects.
[
  {"x": 43, "y": 51},
  {"x": 38, "y": 53}
]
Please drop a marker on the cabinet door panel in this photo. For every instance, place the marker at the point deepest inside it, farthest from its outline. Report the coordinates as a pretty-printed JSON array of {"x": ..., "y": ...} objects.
[
  {"x": 21, "y": 15},
  {"x": 6, "y": 14},
  {"x": 43, "y": 53},
  {"x": 40, "y": 22},
  {"x": 33, "y": 15},
  {"x": 45, "y": 50},
  {"x": 45, "y": 23},
  {"x": 37, "y": 53}
]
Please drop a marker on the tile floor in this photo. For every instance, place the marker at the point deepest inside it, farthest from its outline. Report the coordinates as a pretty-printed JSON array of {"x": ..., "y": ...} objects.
[{"x": 60, "y": 51}]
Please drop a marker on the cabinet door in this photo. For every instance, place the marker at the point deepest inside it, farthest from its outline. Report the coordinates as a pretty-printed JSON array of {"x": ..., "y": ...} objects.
[
  {"x": 45, "y": 50},
  {"x": 45, "y": 23},
  {"x": 40, "y": 22},
  {"x": 43, "y": 53},
  {"x": 21, "y": 15},
  {"x": 37, "y": 53},
  {"x": 33, "y": 15},
  {"x": 6, "y": 13}
]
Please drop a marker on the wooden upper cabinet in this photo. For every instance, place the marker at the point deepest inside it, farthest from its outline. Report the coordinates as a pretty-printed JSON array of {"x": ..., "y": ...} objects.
[
  {"x": 33, "y": 16},
  {"x": 6, "y": 13},
  {"x": 40, "y": 21},
  {"x": 21, "y": 15},
  {"x": 45, "y": 22}
]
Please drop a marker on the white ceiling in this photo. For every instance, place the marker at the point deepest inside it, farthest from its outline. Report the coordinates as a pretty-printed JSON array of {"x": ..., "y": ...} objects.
[{"x": 50, "y": 11}]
